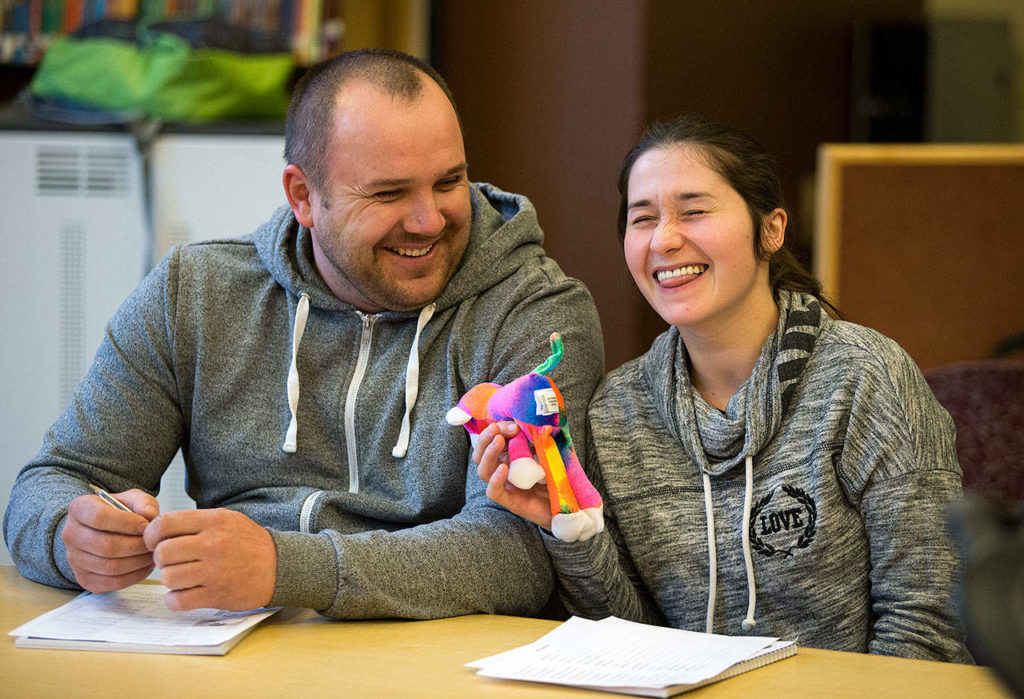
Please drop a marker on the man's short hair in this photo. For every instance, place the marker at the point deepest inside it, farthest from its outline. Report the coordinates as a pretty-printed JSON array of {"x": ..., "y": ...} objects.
[{"x": 311, "y": 112}]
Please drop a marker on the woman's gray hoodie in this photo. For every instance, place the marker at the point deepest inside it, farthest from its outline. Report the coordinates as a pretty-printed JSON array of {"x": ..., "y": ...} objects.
[
  {"x": 369, "y": 519},
  {"x": 813, "y": 506}
]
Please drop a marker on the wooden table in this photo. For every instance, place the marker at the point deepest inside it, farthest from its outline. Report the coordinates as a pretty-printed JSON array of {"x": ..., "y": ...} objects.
[{"x": 297, "y": 653}]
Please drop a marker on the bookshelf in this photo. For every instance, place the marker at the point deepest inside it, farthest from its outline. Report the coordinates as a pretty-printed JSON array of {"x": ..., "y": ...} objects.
[{"x": 313, "y": 29}]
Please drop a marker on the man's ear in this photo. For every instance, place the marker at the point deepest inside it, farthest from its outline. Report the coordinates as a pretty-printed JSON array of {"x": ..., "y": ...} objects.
[
  {"x": 774, "y": 230},
  {"x": 299, "y": 192}
]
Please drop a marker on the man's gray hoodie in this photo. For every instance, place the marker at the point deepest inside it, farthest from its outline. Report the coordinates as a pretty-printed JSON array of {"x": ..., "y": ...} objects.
[{"x": 369, "y": 519}]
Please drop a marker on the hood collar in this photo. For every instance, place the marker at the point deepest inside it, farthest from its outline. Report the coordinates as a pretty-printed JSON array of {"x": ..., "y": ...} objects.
[
  {"x": 718, "y": 442},
  {"x": 503, "y": 235}
]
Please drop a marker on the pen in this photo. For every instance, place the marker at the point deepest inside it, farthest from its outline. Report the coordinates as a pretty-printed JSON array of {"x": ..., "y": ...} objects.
[{"x": 109, "y": 499}]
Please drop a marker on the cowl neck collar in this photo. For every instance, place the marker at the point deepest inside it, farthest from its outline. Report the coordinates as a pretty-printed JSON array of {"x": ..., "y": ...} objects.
[{"x": 720, "y": 441}]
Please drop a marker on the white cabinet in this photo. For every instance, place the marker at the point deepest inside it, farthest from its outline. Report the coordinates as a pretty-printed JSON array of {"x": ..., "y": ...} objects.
[{"x": 76, "y": 237}]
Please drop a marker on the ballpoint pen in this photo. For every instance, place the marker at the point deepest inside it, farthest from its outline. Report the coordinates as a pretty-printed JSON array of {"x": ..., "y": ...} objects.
[{"x": 109, "y": 499}]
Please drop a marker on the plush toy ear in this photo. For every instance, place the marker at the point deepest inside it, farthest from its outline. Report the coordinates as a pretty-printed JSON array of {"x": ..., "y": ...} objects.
[
  {"x": 457, "y": 416},
  {"x": 472, "y": 405}
]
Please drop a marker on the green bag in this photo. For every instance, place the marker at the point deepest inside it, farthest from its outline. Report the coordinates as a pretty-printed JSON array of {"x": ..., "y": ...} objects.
[{"x": 160, "y": 75}]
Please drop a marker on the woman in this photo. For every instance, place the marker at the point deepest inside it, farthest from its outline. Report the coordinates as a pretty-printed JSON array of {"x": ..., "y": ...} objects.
[{"x": 766, "y": 468}]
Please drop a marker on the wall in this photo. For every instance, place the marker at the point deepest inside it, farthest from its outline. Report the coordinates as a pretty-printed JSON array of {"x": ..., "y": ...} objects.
[
  {"x": 397, "y": 24},
  {"x": 549, "y": 94},
  {"x": 1010, "y": 11}
]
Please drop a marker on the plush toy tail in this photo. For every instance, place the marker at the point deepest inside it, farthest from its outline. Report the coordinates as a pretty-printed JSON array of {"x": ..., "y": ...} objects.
[{"x": 556, "y": 355}]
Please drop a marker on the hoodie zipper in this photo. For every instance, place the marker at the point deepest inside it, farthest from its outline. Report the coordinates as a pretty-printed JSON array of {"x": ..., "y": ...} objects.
[
  {"x": 350, "y": 400},
  {"x": 306, "y": 514}
]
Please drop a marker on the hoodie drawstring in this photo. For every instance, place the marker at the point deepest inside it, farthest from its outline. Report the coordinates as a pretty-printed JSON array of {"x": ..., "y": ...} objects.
[
  {"x": 301, "y": 315},
  {"x": 412, "y": 379},
  {"x": 712, "y": 555},
  {"x": 748, "y": 622}
]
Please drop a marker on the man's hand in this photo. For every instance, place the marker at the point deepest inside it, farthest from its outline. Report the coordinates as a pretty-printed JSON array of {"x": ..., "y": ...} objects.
[
  {"x": 492, "y": 467},
  {"x": 105, "y": 545},
  {"x": 213, "y": 558}
]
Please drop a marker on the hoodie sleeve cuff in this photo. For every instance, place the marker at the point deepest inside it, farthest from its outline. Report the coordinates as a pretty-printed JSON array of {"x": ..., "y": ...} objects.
[
  {"x": 576, "y": 551},
  {"x": 307, "y": 571},
  {"x": 60, "y": 553}
]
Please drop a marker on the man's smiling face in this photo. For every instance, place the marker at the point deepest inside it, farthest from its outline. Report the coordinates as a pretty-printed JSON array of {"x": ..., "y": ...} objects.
[{"x": 393, "y": 222}]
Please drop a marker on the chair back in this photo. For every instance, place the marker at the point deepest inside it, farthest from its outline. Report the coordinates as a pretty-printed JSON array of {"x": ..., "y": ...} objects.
[{"x": 986, "y": 401}]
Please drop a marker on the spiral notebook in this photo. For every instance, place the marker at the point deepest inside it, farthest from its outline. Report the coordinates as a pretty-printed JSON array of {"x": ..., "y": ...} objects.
[
  {"x": 776, "y": 651},
  {"x": 614, "y": 655}
]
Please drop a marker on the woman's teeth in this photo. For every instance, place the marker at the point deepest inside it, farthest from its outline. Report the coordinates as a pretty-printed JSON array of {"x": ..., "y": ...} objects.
[{"x": 680, "y": 272}]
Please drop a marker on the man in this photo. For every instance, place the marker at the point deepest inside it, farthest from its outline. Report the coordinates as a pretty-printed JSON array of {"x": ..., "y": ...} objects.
[{"x": 305, "y": 371}]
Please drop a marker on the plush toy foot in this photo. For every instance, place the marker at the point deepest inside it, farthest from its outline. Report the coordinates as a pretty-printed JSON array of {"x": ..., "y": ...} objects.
[
  {"x": 596, "y": 515},
  {"x": 584, "y": 524},
  {"x": 577, "y": 526},
  {"x": 525, "y": 473},
  {"x": 593, "y": 524}
]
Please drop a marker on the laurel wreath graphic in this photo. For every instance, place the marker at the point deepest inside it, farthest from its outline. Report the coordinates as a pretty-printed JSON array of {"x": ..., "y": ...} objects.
[
  {"x": 755, "y": 540},
  {"x": 809, "y": 529},
  {"x": 812, "y": 515}
]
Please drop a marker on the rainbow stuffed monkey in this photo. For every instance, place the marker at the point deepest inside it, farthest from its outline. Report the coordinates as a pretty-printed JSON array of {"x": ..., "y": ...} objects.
[{"x": 536, "y": 405}]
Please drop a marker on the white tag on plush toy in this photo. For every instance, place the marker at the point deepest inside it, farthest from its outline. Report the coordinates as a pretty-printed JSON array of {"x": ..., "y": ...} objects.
[{"x": 547, "y": 401}]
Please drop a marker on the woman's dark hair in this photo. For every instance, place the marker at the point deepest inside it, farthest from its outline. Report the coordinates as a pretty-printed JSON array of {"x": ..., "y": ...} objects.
[{"x": 748, "y": 168}]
